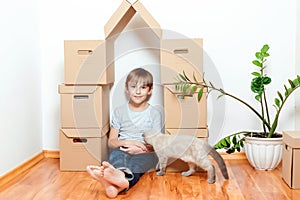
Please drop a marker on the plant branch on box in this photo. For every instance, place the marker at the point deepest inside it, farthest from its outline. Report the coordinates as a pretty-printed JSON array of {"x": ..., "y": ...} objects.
[{"x": 234, "y": 142}]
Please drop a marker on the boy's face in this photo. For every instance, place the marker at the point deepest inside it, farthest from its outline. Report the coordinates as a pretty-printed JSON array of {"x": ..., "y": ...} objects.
[{"x": 138, "y": 92}]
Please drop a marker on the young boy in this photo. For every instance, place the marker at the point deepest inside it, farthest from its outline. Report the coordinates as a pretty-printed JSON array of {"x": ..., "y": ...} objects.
[{"x": 130, "y": 157}]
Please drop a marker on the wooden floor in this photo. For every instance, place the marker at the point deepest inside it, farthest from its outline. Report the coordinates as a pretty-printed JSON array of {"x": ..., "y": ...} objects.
[{"x": 45, "y": 182}]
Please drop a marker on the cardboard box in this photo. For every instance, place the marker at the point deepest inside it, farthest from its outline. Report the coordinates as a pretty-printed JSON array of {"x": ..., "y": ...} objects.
[
  {"x": 82, "y": 147},
  {"x": 84, "y": 106},
  {"x": 184, "y": 111},
  {"x": 178, "y": 55},
  {"x": 123, "y": 15},
  {"x": 291, "y": 158},
  {"x": 86, "y": 62},
  {"x": 177, "y": 165}
]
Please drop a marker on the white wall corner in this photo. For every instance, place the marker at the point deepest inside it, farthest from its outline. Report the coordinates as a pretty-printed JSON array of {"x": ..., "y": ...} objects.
[{"x": 297, "y": 67}]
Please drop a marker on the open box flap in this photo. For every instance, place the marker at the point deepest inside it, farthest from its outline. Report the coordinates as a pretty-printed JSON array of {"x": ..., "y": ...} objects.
[
  {"x": 122, "y": 16},
  {"x": 78, "y": 89},
  {"x": 86, "y": 133},
  {"x": 291, "y": 138}
]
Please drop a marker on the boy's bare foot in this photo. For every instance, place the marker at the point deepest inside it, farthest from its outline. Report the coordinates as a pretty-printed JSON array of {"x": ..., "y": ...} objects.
[
  {"x": 97, "y": 173},
  {"x": 112, "y": 179},
  {"x": 114, "y": 175}
]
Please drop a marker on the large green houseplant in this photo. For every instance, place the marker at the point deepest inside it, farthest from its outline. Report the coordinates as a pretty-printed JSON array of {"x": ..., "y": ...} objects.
[{"x": 235, "y": 142}]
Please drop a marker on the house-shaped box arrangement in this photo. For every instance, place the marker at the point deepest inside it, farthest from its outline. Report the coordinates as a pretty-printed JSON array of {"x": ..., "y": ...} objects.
[
  {"x": 291, "y": 158},
  {"x": 89, "y": 74}
]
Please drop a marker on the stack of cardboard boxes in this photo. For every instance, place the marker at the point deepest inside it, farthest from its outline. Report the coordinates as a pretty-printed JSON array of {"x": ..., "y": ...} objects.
[
  {"x": 183, "y": 113},
  {"x": 178, "y": 55},
  {"x": 84, "y": 105},
  {"x": 89, "y": 73}
]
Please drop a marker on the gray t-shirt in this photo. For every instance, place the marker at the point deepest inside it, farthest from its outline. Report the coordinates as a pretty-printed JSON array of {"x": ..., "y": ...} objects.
[{"x": 131, "y": 124}]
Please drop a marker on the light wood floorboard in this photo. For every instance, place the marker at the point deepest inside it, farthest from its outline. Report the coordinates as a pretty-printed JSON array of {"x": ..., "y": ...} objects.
[{"x": 45, "y": 181}]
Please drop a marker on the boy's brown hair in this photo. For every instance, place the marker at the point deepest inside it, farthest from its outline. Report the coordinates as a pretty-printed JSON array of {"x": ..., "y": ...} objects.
[{"x": 140, "y": 75}]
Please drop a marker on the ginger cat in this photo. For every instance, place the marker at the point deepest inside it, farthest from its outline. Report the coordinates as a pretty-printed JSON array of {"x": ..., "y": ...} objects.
[{"x": 188, "y": 148}]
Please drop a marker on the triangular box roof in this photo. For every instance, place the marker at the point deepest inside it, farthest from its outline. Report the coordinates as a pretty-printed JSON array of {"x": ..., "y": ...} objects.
[{"x": 124, "y": 14}]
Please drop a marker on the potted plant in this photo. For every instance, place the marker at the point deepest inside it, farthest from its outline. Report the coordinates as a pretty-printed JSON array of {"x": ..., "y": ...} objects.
[{"x": 254, "y": 142}]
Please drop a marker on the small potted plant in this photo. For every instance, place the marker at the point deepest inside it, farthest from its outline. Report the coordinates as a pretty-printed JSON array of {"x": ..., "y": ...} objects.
[{"x": 253, "y": 142}]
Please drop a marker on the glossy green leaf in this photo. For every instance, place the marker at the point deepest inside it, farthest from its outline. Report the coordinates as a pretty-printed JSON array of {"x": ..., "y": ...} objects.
[
  {"x": 231, "y": 150},
  {"x": 257, "y": 63},
  {"x": 182, "y": 77},
  {"x": 200, "y": 93},
  {"x": 242, "y": 143},
  {"x": 210, "y": 83},
  {"x": 228, "y": 140},
  {"x": 185, "y": 76},
  {"x": 193, "y": 89},
  {"x": 291, "y": 83},
  {"x": 221, "y": 95},
  {"x": 258, "y": 55},
  {"x": 234, "y": 140},
  {"x": 195, "y": 79},
  {"x": 223, "y": 142},
  {"x": 286, "y": 90},
  {"x": 265, "y": 48},
  {"x": 256, "y": 74},
  {"x": 185, "y": 88},
  {"x": 280, "y": 95},
  {"x": 266, "y": 80},
  {"x": 298, "y": 78},
  {"x": 277, "y": 102},
  {"x": 257, "y": 97},
  {"x": 296, "y": 82}
]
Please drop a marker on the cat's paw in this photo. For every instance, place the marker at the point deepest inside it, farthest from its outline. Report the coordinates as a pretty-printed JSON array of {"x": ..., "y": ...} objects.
[
  {"x": 157, "y": 166},
  {"x": 160, "y": 173},
  {"x": 211, "y": 180},
  {"x": 188, "y": 173}
]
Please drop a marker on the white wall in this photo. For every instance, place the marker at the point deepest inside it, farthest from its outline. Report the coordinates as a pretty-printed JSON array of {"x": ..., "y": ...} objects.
[
  {"x": 232, "y": 31},
  {"x": 297, "y": 68},
  {"x": 20, "y": 84},
  {"x": 136, "y": 47},
  {"x": 59, "y": 21}
]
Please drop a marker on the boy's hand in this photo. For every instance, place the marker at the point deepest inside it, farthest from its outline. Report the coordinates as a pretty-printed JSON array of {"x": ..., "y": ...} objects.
[
  {"x": 136, "y": 143},
  {"x": 134, "y": 147}
]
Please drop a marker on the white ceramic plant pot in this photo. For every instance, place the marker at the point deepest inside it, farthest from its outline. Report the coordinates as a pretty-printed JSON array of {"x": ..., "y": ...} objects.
[{"x": 263, "y": 153}]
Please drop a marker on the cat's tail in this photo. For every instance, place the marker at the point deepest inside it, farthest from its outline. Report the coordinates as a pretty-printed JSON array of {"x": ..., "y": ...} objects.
[{"x": 218, "y": 158}]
